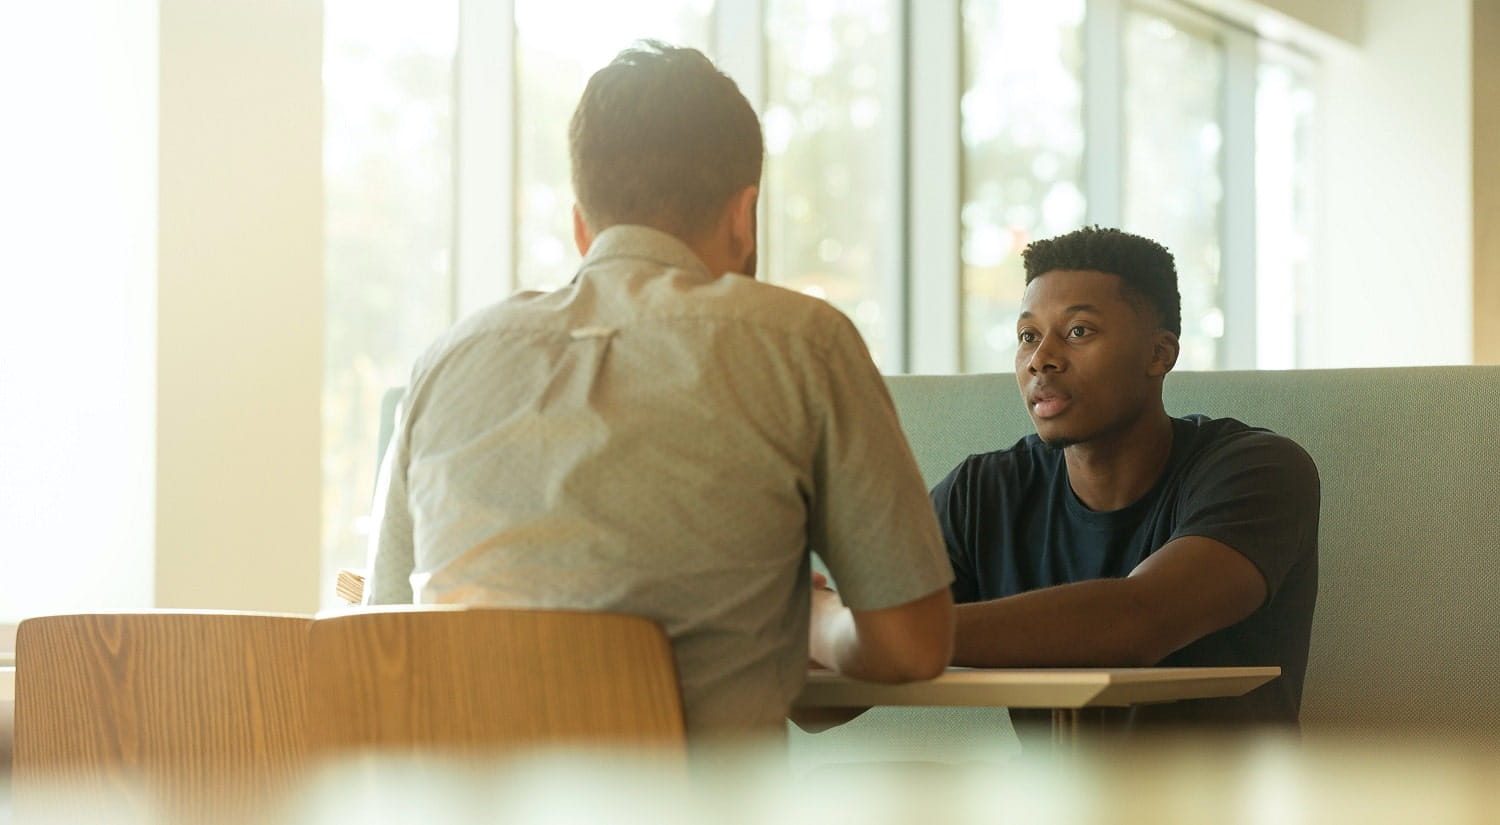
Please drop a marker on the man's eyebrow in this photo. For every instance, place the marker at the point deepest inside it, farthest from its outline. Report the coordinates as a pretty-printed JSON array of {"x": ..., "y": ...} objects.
[{"x": 1069, "y": 311}]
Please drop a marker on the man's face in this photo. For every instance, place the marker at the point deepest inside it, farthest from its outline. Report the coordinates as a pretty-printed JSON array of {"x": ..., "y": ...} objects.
[{"x": 1088, "y": 360}]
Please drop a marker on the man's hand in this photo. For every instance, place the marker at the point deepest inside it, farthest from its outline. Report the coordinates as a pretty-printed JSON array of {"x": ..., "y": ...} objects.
[
  {"x": 825, "y": 602},
  {"x": 826, "y": 605},
  {"x": 904, "y": 643}
]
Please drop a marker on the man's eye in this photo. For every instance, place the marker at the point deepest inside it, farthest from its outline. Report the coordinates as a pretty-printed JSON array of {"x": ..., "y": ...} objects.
[
  {"x": 1077, "y": 332},
  {"x": 1026, "y": 336}
]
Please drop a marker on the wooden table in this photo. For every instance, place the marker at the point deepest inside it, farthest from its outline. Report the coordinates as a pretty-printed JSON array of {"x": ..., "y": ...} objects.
[{"x": 1065, "y": 690}]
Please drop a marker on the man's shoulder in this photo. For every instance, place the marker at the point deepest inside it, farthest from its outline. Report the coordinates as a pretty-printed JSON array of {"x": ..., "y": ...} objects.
[
  {"x": 744, "y": 299},
  {"x": 522, "y": 311},
  {"x": 1020, "y": 463},
  {"x": 1229, "y": 442},
  {"x": 660, "y": 299},
  {"x": 653, "y": 293},
  {"x": 1214, "y": 432}
]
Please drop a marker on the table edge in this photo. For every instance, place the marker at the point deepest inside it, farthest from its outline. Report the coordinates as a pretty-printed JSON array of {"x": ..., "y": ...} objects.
[{"x": 1059, "y": 687}]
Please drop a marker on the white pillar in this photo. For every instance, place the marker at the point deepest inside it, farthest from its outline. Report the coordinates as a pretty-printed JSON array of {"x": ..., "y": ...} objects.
[
  {"x": 240, "y": 308},
  {"x": 77, "y": 306}
]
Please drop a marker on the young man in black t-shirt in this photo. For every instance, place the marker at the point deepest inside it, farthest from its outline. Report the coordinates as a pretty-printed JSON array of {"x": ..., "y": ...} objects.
[{"x": 1117, "y": 535}]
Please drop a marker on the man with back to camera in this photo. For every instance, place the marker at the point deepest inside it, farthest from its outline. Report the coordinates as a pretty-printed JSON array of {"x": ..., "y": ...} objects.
[
  {"x": 666, "y": 435},
  {"x": 1117, "y": 535}
]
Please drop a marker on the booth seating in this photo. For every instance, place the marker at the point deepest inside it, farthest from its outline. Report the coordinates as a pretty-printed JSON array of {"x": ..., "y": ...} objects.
[{"x": 1406, "y": 636}]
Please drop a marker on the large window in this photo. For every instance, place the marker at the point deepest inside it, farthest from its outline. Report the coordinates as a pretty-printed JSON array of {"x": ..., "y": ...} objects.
[
  {"x": 913, "y": 150},
  {"x": 1023, "y": 144},
  {"x": 1284, "y": 106},
  {"x": 1173, "y": 187},
  {"x": 389, "y": 182},
  {"x": 554, "y": 58},
  {"x": 832, "y": 122},
  {"x": 1200, "y": 140}
]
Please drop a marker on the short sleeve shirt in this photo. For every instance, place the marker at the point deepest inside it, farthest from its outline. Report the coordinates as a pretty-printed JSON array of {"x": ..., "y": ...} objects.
[
  {"x": 1012, "y": 524},
  {"x": 651, "y": 439}
]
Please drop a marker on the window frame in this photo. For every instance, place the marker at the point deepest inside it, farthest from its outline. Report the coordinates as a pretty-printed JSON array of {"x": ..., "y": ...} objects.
[
  {"x": 921, "y": 285},
  {"x": 926, "y": 168}
]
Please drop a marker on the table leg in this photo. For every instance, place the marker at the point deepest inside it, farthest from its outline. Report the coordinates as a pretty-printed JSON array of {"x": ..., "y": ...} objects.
[{"x": 1065, "y": 730}]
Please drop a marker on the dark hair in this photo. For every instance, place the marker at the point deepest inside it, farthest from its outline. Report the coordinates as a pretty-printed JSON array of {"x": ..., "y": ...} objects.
[
  {"x": 662, "y": 138},
  {"x": 1144, "y": 266}
]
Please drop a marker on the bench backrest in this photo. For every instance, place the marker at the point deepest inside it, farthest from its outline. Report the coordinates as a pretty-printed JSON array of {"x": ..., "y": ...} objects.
[{"x": 1406, "y": 632}]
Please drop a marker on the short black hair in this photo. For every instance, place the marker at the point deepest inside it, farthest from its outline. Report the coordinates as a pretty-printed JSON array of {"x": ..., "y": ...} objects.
[
  {"x": 1145, "y": 268},
  {"x": 662, "y": 138}
]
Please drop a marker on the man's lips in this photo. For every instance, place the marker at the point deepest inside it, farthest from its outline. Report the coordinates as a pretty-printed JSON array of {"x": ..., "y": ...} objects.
[{"x": 1046, "y": 403}]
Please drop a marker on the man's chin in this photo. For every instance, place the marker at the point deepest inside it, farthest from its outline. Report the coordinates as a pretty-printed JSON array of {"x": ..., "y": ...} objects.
[{"x": 1055, "y": 440}]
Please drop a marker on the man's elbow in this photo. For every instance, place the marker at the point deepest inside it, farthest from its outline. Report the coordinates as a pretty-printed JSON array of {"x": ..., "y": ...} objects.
[
  {"x": 1150, "y": 638},
  {"x": 918, "y": 641},
  {"x": 912, "y": 665},
  {"x": 931, "y": 663},
  {"x": 931, "y": 657}
]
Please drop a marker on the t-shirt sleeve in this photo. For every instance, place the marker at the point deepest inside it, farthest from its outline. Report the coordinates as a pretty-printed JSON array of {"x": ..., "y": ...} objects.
[
  {"x": 869, "y": 518},
  {"x": 950, "y": 501},
  {"x": 1259, "y": 494}
]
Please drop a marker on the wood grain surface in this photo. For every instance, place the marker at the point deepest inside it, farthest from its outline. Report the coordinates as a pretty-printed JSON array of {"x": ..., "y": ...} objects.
[
  {"x": 185, "y": 715},
  {"x": 477, "y": 679}
]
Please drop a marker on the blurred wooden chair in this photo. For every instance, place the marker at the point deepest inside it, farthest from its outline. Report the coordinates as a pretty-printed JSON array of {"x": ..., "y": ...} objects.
[
  {"x": 478, "y": 680},
  {"x": 169, "y": 715}
]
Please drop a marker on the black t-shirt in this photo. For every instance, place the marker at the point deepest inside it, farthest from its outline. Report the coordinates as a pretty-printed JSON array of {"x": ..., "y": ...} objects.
[{"x": 1013, "y": 524}]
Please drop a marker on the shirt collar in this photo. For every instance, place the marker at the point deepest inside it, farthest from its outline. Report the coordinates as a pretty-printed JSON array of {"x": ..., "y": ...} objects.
[{"x": 630, "y": 241}]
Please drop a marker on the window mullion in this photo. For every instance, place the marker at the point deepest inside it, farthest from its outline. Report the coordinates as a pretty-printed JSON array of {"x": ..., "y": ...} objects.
[
  {"x": 1103, "y": 114},
  {"x": 484, "y": 155},
  {"x": 739, "y": 32},
  {"x": 1237, "y": 288},
  {"x": 934, "y": 175}
]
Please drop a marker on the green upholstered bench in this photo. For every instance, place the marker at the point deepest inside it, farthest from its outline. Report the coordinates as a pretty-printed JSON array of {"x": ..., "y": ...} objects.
[{"x": 1407, "y": 632}]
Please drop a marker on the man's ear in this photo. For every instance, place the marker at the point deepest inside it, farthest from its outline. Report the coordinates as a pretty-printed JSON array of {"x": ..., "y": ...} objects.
[
  {"x": 741, "y": 216},
  {"x": 582, "y": 238},
  {"x": 1164, "y": 351}
]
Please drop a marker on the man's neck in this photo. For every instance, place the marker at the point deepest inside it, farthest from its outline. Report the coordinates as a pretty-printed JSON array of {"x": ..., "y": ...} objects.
[{"x": 1115, "y": 471}]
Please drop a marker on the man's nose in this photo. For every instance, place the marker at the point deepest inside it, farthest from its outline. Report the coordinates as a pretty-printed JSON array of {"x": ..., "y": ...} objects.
[{"x": 1047, "y": 357}]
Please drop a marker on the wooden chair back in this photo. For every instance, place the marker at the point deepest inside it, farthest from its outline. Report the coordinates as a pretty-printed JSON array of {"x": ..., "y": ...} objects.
[
  {"x": 181, "y": 715},
  {"x": 472, "y": 679}
]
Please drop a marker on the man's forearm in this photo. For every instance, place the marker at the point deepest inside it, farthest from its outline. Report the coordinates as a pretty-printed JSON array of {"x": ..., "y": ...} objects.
[
  {"x": 1099, "y": 623},
  {"x": 1189, "y": 588},
  {"x": 900, "y": 644},
  {"x": 836, "y": 644}
]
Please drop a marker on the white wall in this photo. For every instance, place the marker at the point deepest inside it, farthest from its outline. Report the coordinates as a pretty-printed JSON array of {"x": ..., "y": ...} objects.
[
  {"x": 1394, "y": 283},
  {"x": 240, "y": 318},
  {"x": 161, "y": 323},
  {"x": 77, "y": 272}
]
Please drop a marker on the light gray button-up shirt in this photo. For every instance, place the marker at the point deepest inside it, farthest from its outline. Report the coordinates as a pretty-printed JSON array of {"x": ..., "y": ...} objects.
[{"x": 654, "y": 440}]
